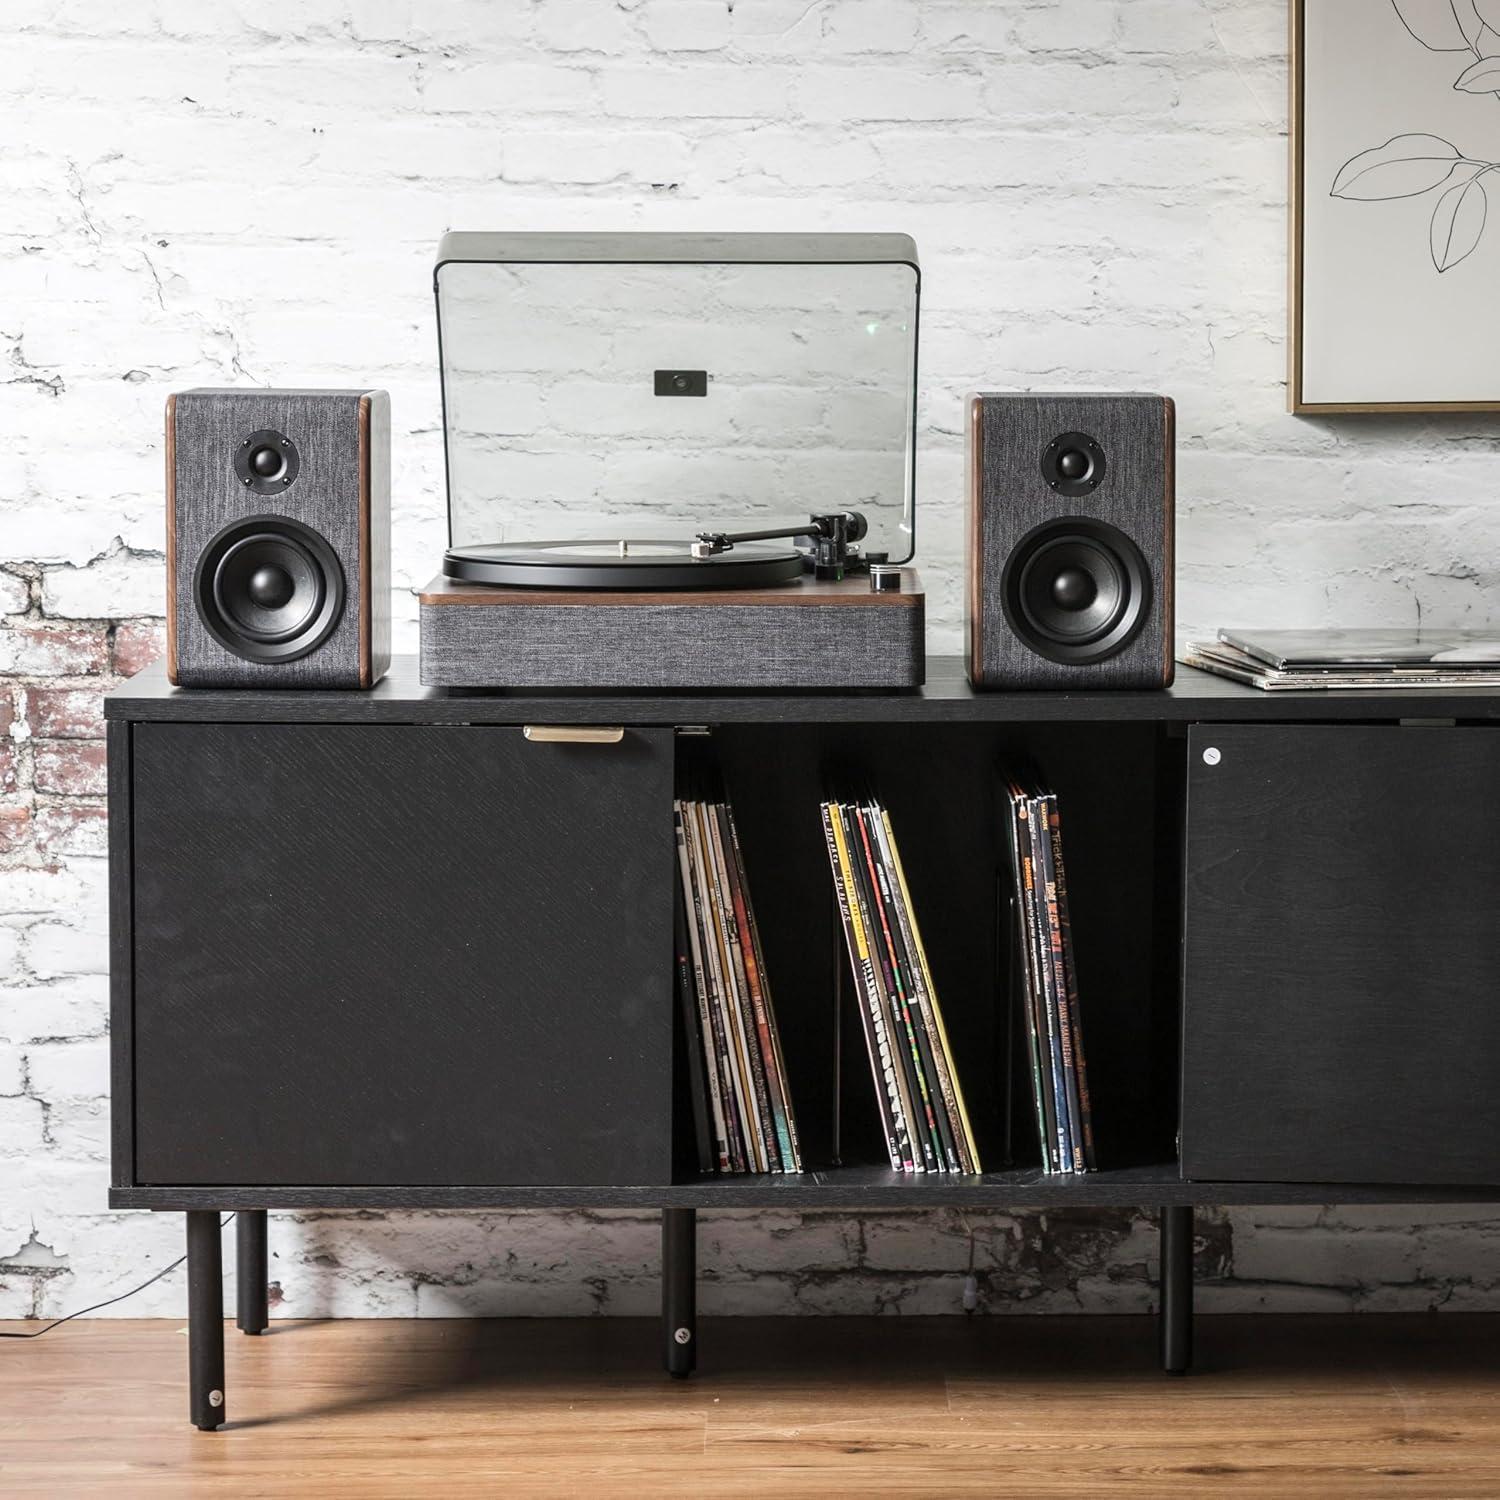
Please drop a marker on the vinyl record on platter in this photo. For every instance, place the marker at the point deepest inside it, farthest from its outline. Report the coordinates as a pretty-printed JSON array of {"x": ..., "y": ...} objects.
[{"x": 620, "y": 564}]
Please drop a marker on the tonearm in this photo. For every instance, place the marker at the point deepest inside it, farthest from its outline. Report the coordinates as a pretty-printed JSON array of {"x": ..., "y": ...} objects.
[{"x": 832, "y": 533}]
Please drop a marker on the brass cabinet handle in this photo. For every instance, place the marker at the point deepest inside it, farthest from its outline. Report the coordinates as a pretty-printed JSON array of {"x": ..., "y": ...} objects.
[{"x": 574, "y": 734}]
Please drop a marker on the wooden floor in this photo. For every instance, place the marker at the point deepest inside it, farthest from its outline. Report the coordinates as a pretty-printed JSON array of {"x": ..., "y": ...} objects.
[{"x": 1006, "y": 1406}]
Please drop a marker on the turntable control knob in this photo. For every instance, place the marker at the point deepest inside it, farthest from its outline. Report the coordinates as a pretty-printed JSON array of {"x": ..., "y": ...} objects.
[{"x": 884, "y": 579}]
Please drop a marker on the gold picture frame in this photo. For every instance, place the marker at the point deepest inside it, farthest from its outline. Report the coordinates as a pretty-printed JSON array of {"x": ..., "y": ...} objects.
[{"x": 1297, "y": 399}]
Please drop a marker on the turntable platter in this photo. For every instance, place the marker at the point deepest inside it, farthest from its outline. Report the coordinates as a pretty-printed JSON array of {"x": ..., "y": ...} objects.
[{"x": 622, "y": 564}]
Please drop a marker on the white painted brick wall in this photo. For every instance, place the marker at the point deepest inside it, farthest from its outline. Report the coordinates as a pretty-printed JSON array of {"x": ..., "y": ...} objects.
[{"x": 205, "y": 191}]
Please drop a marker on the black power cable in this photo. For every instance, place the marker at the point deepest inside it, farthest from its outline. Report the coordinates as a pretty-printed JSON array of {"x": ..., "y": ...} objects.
[{"x": 165, "y": 1271}]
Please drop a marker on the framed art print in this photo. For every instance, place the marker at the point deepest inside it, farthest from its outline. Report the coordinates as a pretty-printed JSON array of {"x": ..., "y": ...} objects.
[{"x": 1395, "y": 200}]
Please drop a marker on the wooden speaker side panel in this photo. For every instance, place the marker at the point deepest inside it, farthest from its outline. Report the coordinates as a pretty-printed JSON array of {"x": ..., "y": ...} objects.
[
  {"x": 1166, "y": 582},
  {"x": 171, "y": 452},
  {"x": 974, "y": 570},
  {"x": 374, "y": 536}
]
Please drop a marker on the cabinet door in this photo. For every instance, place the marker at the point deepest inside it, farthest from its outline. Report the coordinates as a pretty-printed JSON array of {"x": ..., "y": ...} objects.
[
  {"x": 392, "y": 955},
  {"x": 1342, "y": 955}
]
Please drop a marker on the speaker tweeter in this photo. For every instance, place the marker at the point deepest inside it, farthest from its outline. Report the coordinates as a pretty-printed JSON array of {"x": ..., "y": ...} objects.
[
  {"x": 1073, "y": 464},
  {"x": 266, "y": 462}
]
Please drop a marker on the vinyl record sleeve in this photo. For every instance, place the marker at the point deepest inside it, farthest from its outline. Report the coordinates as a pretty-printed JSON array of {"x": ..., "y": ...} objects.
[
  {"x": 914, "y": 1023},
  {"x": 775, "y": 1096},
  {"x": 732, "y": 1088},
  {"x": 760, "y": 1137},
  {"x": 1057, "y": 979},
  {"x": 1036, "y": 1022},
  {"x": 924, "y": 1157},
  {"x": 927, "y": 991},
  {"x": 791, "y": 1156},
  {"x": 1441, "y": 650},
  {"x": 1047, "y": 986},
  {"x": 1228, "y": 661},
  {"x": 882, "y": 1065},
  {"x": 1085, "y": 1108},
  {"x": 692, "y": 1040},
  {"x": 692, "y": 919}
]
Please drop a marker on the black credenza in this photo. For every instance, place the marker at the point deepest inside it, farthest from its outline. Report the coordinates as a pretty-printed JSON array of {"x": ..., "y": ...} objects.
[{"x": 411, "y": 948}]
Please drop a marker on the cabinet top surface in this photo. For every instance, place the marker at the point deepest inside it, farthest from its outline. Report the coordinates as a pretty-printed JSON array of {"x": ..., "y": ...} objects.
[{"x": 947, "y": 698}]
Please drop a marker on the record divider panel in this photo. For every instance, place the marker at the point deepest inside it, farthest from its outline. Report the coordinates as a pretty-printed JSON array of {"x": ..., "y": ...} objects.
[{"x": 1118, "y": 761}]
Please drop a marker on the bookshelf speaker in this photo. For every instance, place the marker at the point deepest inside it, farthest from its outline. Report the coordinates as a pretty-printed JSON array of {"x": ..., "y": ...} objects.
[
  {"x": 1070, "y": 534},
  {"x": 278, "y": 538}
]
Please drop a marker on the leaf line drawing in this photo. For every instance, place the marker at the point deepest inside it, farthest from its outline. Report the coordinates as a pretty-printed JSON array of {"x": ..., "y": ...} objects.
[{"x": 1414, "y": 164}]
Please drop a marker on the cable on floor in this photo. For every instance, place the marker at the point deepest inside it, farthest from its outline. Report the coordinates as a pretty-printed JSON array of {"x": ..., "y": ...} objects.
[{"x": 165, "y": 1271}]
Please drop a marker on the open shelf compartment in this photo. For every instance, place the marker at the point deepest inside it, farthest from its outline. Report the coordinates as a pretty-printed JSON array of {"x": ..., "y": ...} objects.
[{"x": 1119, "y": 790}]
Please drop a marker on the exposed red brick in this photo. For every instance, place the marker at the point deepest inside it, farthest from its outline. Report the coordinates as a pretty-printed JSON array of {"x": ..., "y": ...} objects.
[
  {"x": 7, "y": 766},
  {"x": 138, "y": 643},
  {"x": 7, "y": 709},
  {"x": 79, "y": 828},
  {"x": 69, "y": 768},
  {"x": 53, "y": 650},
  {"x": 64, "y": 713},
  {"x": 15, "y": 829}
]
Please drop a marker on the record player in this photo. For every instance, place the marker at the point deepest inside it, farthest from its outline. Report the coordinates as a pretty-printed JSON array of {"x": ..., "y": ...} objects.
[{"x": 666, "y": 396}]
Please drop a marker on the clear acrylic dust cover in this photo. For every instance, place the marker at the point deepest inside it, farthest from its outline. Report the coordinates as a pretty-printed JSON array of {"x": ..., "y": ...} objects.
[{"x": 645, "y": 385}]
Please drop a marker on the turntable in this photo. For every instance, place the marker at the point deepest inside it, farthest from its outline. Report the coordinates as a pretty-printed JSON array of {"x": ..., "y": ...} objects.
[
  {"x": 719, "y": 611},
  {"x": 648, "y": 384}
]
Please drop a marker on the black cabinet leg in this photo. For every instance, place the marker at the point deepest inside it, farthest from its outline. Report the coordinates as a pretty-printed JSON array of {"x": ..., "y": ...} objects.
[
  {"x": 205, "y": 1320},
  {"x": 250, "y": 1269},
  {"x": 679, "y": 1289},
  {"x": 1176, "y": 1314}
]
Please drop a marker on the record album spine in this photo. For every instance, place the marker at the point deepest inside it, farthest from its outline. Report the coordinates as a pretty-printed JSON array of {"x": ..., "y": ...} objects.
[
  {"x": 692, "y": 1041},
  {"x": 764, "y": 1130},
  {"x": 908, "y": 1021},
  {"x": 875, "y": 1046},
  {"x": 732, "y": 1088},
  {"x": 1057, "y": 981},
  {"x": 917, "y": 1147},
  {"x": 970, "y": 1150},
  {"x": 1046, "y": 989},
  {"x": 1085, "y": 1108},
  {"x": 691, "y": 919},
  {"x": 905, "y": 926},
  {"x": 754, "y": 986},
  {"x": 1024, "y": 935},
  {"x": 792, "y": 1152},
  {"x": 745, "y": 1102}
]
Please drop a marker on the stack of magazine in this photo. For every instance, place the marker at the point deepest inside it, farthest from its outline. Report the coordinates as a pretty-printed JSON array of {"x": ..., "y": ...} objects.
[
  {"x": 741, "y": 1104},
  {"x": 1287, "y": 660},
  {"x": 1048, "y": 978},
  {"x": 922, "y": 1113}
]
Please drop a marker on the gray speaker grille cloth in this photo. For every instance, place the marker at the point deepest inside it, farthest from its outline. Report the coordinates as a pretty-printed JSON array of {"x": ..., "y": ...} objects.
[
  {"x": 1016, "y": 431},
  {"x": 689, "y": 646},
  {"x": 211, "y": 425}
]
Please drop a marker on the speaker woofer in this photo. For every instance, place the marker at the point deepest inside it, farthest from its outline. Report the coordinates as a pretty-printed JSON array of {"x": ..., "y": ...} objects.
[
  {"x": 1076, "y": 590},
  {"x": 269, "y": 589}
]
